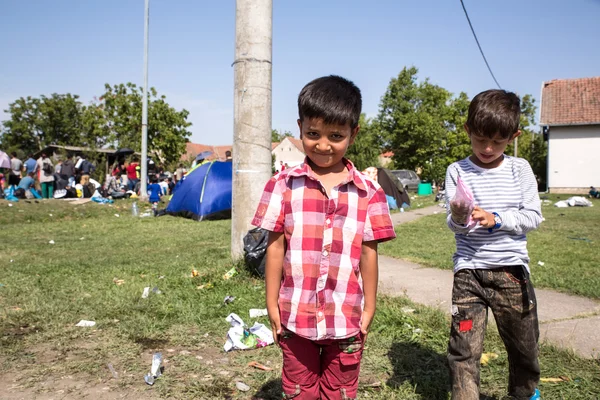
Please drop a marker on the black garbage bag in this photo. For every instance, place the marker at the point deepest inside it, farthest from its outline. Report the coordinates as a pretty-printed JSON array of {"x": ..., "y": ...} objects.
[{"x": 255, "y": 250}]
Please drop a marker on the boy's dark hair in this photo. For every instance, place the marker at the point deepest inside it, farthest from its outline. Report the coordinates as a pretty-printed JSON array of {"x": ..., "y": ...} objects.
[
  {"x": 30, "y": 155},
  {"x": 153, "y": 179},
  {"x": 14, "y": 154},
  {"x": 494, "y": 112},
  {"x": 334, "y": 99}
]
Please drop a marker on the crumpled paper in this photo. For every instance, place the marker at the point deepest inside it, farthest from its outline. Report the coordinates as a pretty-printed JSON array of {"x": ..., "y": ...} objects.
[{"x": 240, "y": 337}]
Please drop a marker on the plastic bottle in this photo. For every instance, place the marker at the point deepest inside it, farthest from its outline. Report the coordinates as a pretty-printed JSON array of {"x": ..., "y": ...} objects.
[
  {"x": 536, "y": 396},
  {"x": 134, "y": 209}
]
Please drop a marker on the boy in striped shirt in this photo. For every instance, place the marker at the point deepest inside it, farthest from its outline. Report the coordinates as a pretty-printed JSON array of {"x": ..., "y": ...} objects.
[
  {"x": 325, "y": 220},
  {"x": 491, "y": 263}
]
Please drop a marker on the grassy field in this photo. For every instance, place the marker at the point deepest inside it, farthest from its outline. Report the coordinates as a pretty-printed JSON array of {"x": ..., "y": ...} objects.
[
  {"x": 567, "y": 243},
  {"x": 47, "y": 288}
]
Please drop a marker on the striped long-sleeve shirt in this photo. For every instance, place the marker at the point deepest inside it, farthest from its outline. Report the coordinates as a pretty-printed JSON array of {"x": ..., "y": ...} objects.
[{"x": 509, "y": 190}]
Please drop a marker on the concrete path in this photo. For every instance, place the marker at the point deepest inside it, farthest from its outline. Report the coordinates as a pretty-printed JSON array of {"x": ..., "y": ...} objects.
[{"x": 566, "y": 321}]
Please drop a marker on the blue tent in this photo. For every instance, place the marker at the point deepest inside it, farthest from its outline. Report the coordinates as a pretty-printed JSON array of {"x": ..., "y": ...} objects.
[{"x": 205, "y": 193}]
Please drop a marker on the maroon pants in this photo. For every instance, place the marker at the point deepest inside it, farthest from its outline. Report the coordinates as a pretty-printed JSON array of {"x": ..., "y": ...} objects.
[{"x": 322, "y": 369}]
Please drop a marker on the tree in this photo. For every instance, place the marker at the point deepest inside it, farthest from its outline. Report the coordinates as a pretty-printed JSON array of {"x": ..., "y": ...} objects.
[
  {"x": 422, "y": 124},
  {"x": 167, "y": 127},
  {"x": 366, "y": 149},
  {"x": 37, "y": 122},
  {"x": 278, "y": 136}
]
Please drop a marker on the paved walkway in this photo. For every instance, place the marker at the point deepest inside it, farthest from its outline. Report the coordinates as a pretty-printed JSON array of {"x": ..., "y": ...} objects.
[{"x": 566, "y": 321}]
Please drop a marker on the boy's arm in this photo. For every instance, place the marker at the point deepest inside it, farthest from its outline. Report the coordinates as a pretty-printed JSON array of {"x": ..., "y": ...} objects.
[
  {"x": 369, "y": 270},
  {"x": 529, "y": 215},
  {"x": 273, "y": 274},
  {"x": 451, "y": 179}
]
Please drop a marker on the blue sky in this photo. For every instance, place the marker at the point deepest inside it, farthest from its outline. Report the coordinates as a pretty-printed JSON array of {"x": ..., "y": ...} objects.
[{"x": 76, "y": 46}]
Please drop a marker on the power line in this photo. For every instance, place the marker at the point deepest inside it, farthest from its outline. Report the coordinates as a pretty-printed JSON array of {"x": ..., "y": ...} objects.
[{"x": 478, "y": 45}]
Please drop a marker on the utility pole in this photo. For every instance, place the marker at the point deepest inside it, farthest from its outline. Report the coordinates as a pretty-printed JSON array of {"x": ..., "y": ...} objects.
[
  {"x": 144, "y": 166},
  {"x": 516, "y": 149},
  {"x": 251, "y": 113}
]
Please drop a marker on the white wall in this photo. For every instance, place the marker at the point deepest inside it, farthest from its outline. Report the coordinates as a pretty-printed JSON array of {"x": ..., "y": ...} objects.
[
  {"x": 287, "y": 152},
  {"x": 574, "y": 157}
]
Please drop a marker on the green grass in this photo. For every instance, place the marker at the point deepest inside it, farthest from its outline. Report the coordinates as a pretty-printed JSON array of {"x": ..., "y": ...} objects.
[
  {"x": 49, "y": 288},
  {"x": 570, "y": 264}
]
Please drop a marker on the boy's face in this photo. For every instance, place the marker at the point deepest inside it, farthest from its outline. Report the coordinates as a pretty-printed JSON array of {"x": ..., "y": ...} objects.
[
  {"x": 487, "y": 151},
  {"x": 325, "y": 144}
]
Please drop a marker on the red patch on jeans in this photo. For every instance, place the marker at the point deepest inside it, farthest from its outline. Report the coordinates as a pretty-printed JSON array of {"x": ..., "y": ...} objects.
[{"x": 466, "y": 325}]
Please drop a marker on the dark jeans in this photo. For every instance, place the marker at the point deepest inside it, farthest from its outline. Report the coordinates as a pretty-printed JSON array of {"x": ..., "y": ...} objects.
[
  {"x": 131, "y": 183},
  {"x": 509, "y": 293}
]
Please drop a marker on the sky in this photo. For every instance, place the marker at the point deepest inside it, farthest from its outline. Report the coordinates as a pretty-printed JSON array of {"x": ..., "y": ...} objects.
[{"x": 76, "y": 46}]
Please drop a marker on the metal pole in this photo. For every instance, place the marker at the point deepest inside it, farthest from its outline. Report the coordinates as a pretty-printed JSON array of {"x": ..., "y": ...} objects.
[
  {"x": 252, "y": 113},
  {"x": 516, "y": 147},
  {"x": 144, "y": 166}
]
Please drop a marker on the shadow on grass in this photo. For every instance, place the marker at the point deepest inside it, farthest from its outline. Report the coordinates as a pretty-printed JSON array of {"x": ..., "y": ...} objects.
[
  {"x": 426, "y": 370},
  {"x": 269, "y": 391}
]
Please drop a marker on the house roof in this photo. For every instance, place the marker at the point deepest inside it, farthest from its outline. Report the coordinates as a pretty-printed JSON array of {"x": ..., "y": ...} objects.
[
  {"x": 218, "y": 152},
  {"x": 297, "y": 143},
  {"x": 571, "y": 102}
]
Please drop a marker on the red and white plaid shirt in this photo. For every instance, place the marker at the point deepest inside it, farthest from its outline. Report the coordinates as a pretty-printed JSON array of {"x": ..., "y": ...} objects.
[{"x": 321, "y": 295}]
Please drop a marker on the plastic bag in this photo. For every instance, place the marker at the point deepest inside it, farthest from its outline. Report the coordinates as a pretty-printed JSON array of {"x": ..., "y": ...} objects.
[
  {"x": 255, "y": 249},
  {"x": 462, "y": 204}
]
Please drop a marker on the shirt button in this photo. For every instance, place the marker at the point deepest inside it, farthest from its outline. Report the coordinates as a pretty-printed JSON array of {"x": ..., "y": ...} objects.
[
  {"x": 328, "y": 221},
  {"x": 325, "y": 253},
  {"x": 320, "y": 314},
  {"x": 321, "y": 284}
]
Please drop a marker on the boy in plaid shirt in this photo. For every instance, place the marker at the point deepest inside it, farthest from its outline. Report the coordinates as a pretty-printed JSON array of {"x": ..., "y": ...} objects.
[{"x": 325, "y": 220}]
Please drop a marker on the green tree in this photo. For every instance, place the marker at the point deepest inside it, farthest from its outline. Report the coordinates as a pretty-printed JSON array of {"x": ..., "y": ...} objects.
[
  {"x": 422, "y": 124},
  {"x": 122, "y": 109},
  {"x": 37, "y": 122},
  {"x": 366, "y": 149},
  {"x": 278, "y": 136}
]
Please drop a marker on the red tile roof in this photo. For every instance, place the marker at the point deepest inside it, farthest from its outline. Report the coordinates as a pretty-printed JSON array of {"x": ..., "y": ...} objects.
[
  {"x": 571, "y": 102},
  {"x": 193, "y": 149},
  {"x": 297, "y": 143}
]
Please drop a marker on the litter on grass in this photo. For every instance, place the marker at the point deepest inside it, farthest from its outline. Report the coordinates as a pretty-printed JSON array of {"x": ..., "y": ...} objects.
[
  {"x": 258, "y": 365},
  {"x": 155, "y": 370},
  {"x": 555, "y": 380},
  {"x": 194, "y": 273},
  {"x": 578, "y": 238},
  {"x": 240, "y": 337},
  {"x": 228, "y": 299},
  {"x": 86, "y": 324},
  {"x": 230, "y": 274},
  {"x": 257, "y": 312},
  {"x": 156, "y": 290},
  {"x": 487, "y": 357},
  {"x": 113, "y": 371},
  {"x": 117, "y": 215},
  {"x": 575, "y": 201},
  {"x": 146, "y": 292},
  {"x": 205, "y": 286},
  {"x": 407, "y": 310},
  {"x": 118, "y": 282},
  {"x": 541, "y": 263},
  {"x": 242, "y": 386},
  {"x": 51, "y": 242}
]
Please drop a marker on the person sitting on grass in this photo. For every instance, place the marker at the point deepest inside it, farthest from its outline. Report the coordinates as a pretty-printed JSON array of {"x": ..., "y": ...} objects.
[
  {"x": 154, "y": 193},
  {"x": 325, "y": 220},
  {"x": 491, "y": 263}
]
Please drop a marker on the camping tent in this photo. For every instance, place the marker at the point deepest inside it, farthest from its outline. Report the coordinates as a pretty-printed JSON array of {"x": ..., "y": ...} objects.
[
  {"x": 392, "y": 186},
  {"x": 205, "y": 193}
]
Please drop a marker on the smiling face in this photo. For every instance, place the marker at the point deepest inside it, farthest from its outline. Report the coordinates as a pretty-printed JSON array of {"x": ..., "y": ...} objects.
[
  {"x": 326, "y": 144},
  {"x": 489, "y": 152}
]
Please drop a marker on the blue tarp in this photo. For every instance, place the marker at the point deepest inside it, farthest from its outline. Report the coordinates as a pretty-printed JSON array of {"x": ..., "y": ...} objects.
[{"x": 205, "y": 193}]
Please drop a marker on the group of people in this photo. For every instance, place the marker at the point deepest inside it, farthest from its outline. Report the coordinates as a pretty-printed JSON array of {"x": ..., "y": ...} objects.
[
  {"x": 325, "y": 220},
  {"x": 38, "y": 178}
]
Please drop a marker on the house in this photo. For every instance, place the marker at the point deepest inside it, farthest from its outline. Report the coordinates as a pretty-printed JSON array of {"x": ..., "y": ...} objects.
[
  {"x": 290, "y": 151},
  {"x": 193, "y": 149},
  {"x": 570, "y": 120}
]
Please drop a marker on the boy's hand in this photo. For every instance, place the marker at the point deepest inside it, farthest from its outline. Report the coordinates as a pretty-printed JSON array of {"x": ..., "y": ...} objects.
[
  {"x": 275, "y": 320},
  {"x": 367, "y": 318},
  {"x": 460, "y": 212},
  {"x": 484, "y": 218}
]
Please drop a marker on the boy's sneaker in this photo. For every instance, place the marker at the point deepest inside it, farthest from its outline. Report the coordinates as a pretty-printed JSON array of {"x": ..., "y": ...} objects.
[{"x": 537, "y": 395}]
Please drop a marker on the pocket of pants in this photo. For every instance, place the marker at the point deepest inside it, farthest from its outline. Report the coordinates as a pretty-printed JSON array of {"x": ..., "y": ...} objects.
[{"x": 350, "y": 356}]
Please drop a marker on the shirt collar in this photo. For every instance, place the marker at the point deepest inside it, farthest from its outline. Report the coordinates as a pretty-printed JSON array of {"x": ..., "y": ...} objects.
[{"x": 354, "y": 176}]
